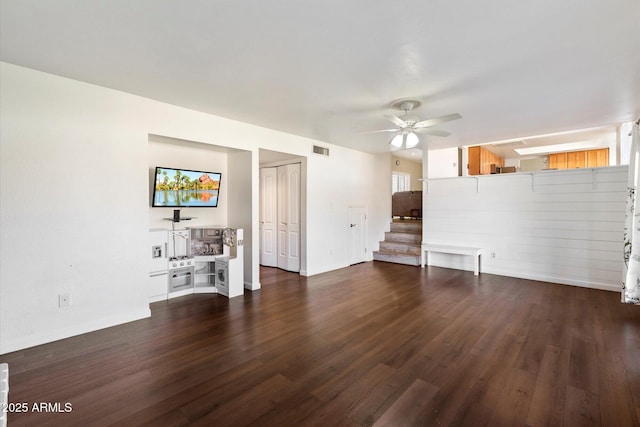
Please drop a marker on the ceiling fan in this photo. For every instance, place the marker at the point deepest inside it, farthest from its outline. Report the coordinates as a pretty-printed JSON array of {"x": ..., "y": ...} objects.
[{"x": 408, "y": 126}]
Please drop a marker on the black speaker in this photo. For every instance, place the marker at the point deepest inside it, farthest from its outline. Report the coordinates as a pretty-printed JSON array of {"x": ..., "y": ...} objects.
[{"x": 176, "y": 215}]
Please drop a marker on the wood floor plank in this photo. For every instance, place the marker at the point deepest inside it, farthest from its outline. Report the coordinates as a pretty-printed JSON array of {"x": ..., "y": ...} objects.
[
  {"x": 548, "y": 400},
  {"x": 457, "y": 390},
  {"x": 381, "y": 396},
  {"x": 246, "y": 407},
  {"x": 582, "y": 408},
  {"x": 513, "y": 406},
  {"x": 372, "y": 343},
  {"x": 617, "y": 406},
  {"x": 496, "y": 371},
  {"x": 409, "y": 406},
  {"x": 343, "y": 395},
  {"x": 583, "y": 366}
]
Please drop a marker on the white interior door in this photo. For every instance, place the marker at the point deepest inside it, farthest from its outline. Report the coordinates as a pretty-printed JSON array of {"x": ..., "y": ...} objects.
[
  {"x": 293, "y": 215},
  {"x": 289, "y": 217},
  {"x": 268, "y": 217},
  {"x": 357, "y": 234}
]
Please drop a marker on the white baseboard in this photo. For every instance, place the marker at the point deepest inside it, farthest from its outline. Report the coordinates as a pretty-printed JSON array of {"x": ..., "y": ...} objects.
[
  {"x": 157, "y": 298},
  {"x": 463, "y": 263},
  {"x": 555, "y": 279},
  {"x": 50, "y": 336},
  {"x": 252, "y": 286}
]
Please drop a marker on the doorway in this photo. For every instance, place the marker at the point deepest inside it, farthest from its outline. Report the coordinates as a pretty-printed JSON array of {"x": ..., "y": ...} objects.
[
  {"x": 280, "y": 216},
  {"x": 357, "y": 234}
]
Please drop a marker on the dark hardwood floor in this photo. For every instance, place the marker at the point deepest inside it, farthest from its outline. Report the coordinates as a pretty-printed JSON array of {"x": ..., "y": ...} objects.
[{"x": 373, "y": 344}]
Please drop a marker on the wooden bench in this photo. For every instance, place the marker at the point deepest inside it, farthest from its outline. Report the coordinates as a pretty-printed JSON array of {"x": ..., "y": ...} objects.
[{"x": 427, "y": 248}]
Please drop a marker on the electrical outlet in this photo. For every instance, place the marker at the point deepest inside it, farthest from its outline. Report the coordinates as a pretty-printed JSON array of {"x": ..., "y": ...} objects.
[
  {"x": 64, "y": 300},
  {"x": 493, "y": 255}
]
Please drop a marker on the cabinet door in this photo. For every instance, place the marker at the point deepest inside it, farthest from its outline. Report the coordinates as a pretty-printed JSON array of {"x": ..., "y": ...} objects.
[
  {"x": 558, "y": 161},
  {"x": 552, "y": 163},
  {"x": 598, "y": 158},
  {"x": 486, "y": 158},
  {"x": 603, "y": 157},
  {"x": 576, "y": 159},
  {"x": 474, "y": 160}
]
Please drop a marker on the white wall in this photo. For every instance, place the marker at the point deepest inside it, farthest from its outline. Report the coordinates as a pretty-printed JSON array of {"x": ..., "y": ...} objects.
[
  {"x": 73, "y": 208},
  {"x": 443, "y": 163},
  {"x": 240, "y": 196},
  {"x": 74, "y": 200},
  {"x": 328, "y": 204},
  {"x": 556, "y": 226}
]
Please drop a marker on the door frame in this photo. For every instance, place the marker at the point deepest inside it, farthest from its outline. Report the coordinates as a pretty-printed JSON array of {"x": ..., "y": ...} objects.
[
  {"x": 289, "y": 159},
  {"x": 353, "y": 258}
]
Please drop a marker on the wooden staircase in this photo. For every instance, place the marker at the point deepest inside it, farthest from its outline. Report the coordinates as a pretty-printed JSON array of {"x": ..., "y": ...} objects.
[{"x": 401, "y": 245}]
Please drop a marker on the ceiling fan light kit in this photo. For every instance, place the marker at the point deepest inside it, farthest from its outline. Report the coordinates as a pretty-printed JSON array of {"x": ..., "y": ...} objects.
[
  {"x": 397, "y": 141},
  {"x": 409, "y": 126},
  {"x": 411, "y": 140},
  {"x": 405, "y": 139}
]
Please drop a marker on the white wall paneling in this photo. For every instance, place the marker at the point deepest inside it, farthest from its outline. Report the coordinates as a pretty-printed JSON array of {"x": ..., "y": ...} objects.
[{"x": 557, "y": 226}]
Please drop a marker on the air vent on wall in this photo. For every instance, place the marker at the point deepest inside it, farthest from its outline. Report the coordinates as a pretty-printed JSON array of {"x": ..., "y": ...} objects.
[{"x": 320, "y": 150}]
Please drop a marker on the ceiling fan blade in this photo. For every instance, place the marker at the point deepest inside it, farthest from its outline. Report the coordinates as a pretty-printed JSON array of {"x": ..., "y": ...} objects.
[
  {"x": 379, "y": 131},
  {"x": 434, "y": 132},
  {"x": 437, "y": 120},
  {"x": 396, "y": 121}
]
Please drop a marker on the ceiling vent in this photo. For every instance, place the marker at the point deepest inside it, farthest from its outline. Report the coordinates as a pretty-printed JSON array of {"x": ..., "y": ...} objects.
[{"x": 321, "y": 150}]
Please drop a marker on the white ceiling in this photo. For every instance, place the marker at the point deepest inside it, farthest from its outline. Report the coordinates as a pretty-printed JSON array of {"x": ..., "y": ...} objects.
[{"x": 329, "y": 70}]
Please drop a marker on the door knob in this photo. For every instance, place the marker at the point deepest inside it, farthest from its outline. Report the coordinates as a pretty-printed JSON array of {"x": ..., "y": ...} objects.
[{"x": 352, "y": 225}]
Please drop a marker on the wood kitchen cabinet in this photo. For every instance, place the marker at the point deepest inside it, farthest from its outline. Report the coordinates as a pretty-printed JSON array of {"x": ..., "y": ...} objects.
[
  {"x": 598, "y": 158},
  {"x": 481, "y": 159},
  {"x": 558, "y": 161},
  {"x": 576, "y": 159},
  {"x": 579, "y": 159}
]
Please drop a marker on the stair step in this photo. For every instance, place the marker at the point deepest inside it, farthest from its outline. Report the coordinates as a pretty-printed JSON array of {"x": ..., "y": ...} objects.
[
  {"x": 400, "y": 248},
  {"x": 407, "y": 227},
  {"x": 396, "y": 258},
  {"x": 401, "y": 245},
  {"x": 392, "y": 236}
]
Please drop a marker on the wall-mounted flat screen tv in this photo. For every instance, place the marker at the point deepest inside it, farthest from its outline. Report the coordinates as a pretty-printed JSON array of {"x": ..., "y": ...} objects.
[{"x": 184, "y": 188}]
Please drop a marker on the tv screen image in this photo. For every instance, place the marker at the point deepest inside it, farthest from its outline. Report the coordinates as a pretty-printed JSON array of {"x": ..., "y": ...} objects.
[{"x": 184, "y": 188}]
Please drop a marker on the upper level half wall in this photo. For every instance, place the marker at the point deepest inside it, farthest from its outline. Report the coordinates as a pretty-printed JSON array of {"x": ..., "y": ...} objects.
[{"x": 555, "y": 226}]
